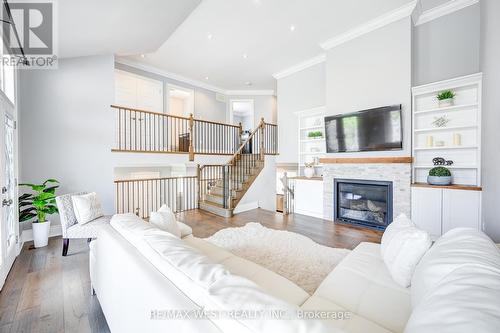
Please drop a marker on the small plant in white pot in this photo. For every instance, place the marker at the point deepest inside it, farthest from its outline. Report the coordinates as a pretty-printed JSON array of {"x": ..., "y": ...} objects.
[
  {"x": 445, "y": 98},
  {"x": 309, "y": 170},
  {"x": 38, "y": 205},
  {"x": 439, "y": 176}
]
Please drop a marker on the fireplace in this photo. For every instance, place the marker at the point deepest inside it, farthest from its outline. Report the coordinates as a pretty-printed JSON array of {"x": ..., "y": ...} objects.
[{"x": 363, "y": 202}]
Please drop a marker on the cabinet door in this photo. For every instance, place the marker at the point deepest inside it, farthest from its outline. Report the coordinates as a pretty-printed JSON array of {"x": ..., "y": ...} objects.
[
  {"x": 461, "y": 208},
  {"x": 426, "y": 209},
  {"x": 309, "y": 198}
]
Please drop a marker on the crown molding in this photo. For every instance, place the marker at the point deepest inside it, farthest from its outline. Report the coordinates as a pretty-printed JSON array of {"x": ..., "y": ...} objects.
[
  {"x": 379, "y": 22},
  {"x": 250, "y": 92},
  {"x": 300, "y": 66},
  {"x": 444, "y": 9},
  {"x": 193, "y": 82}
]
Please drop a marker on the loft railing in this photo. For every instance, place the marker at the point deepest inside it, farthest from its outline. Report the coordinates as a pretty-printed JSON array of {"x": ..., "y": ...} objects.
[
  {"x": 142, "y": 196},
  {"x": 152, "y": 132},
  {"x": 241, "y": 167}
]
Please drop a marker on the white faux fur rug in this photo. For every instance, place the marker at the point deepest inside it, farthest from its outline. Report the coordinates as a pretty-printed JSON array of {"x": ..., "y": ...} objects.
[{"x": 296, "y": 257}]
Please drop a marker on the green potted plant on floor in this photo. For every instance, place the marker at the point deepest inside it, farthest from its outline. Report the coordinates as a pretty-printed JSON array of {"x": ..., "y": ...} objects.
[
  {"x": 36, "y": 206},
  {"x": 445, "y": 98},
  {"x": 439, "y": 176}
]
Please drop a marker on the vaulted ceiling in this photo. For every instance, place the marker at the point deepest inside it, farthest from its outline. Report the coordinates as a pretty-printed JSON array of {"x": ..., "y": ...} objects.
[{"x": 231, "y": 44}]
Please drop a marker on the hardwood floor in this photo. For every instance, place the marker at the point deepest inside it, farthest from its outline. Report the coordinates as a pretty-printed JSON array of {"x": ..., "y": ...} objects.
[
  {"x": 321, "y": 231},
  {"x": 46, "y": 292}
]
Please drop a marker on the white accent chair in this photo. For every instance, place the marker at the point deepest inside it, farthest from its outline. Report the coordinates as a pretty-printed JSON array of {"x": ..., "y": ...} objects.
[{"x": 70, "y": 226}]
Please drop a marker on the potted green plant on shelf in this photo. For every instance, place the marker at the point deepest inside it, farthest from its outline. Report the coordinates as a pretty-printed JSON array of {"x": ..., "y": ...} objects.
[
  {"x": 439, "y": 176},
  {"x": 36, "y": 206},
  {"x": 315, "y": 135},
  {"x": 445, "y": 98}
]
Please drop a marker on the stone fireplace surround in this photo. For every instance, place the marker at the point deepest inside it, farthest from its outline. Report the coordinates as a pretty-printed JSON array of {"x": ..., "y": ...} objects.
[{"x": 397, "y": 170}]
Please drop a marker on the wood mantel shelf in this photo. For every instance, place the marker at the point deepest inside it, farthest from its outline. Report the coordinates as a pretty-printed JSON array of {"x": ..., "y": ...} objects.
[
  {"x": 450, "y": 187},
  {"x": 366, "y": 160}
]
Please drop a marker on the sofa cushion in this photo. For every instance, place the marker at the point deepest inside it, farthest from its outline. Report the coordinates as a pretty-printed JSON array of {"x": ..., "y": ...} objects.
[
  {"x": 458, "y": 248},
  {"x": 362, "y": 284},
  {"x": 87, "y": 230},
  {"x": 185, "y": 229},
  {"x": 272, "y": 283},
  {"x": 352, "y": 323},
  {"x": 402, "y": 247}
]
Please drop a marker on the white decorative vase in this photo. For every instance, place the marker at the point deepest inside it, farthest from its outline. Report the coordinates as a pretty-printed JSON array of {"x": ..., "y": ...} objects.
[
  {"x": 445, "y": 102},
  {"x": 41, "y": 233},
  {"x": 309, "y": 172}
]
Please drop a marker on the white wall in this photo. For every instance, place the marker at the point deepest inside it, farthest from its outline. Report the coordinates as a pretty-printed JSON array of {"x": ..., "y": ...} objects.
[
  {"x": 300, "y": 91},
  {"x": 205, "y": 105},
  {"x": 371, "y": 71},
  {"x": 447, "y": 47},
  {"x": 66, "y": 126},
  {"x": 490, "y": 66},
  {"x": 264, "y": 107}
]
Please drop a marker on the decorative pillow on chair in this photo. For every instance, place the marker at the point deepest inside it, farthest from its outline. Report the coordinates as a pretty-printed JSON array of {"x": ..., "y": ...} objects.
[
  {"x": 87, "y": 207},
  {"x": 402, "y": 247},
  {"x": 164, "y": 219}
]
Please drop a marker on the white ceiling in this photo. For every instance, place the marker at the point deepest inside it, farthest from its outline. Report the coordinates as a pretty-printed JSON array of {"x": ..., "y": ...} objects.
[
  {"x": 91, "y": 27},
  {"x": 173, "y": 34},
  {"x": 259, "y": 29}
]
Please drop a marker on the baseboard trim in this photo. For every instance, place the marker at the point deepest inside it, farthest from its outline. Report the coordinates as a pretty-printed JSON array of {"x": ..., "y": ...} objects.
[
  {"x": 240, "y": 208},
  {"x": 27, "y": 234}
]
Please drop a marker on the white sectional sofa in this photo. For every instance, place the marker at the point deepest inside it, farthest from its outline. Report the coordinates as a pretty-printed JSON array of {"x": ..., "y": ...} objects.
[{"x": 141, "y": 275}]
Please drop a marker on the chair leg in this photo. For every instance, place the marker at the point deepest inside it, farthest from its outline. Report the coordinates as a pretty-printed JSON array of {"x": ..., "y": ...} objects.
[
  {"x": 89, "y": 240},
  {"x": 65, "y": 246}
]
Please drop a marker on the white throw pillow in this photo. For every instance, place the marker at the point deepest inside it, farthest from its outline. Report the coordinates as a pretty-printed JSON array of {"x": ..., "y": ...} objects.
[
  {"x": 87, "y": 207},
  {"x": 403, "y": 245},
  {"x": 164, "y": 219}
]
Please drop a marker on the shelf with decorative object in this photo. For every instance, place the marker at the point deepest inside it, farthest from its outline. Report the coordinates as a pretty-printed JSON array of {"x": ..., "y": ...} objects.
[
  {"x": 452, "y": 132},
  {"x": 312, "y": 144}
]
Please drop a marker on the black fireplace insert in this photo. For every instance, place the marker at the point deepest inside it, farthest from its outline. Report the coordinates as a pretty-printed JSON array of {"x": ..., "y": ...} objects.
[{"x": 363, "y": 202}]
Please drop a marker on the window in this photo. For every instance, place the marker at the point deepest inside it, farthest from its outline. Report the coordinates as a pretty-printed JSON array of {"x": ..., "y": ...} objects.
[{"x": 7, "y": 76}]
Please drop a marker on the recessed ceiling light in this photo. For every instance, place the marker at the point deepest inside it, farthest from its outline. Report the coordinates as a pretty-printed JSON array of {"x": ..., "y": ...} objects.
[
  {"x": 292, "y": 28},
  {"x": 143, "y": 56},
  {"x": 210, "y": 36},
  {"x": 206, "y": 77},
  {"x": 248, "y": 83},
  {"x": 245, "y": 55}
]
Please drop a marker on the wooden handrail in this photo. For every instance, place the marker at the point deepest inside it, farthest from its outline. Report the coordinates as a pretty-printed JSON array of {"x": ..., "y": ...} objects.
[
  {"x": 149, "y": 179},
  {"x": 238, "y": 152},
  {"x": 171, "y": 115}
]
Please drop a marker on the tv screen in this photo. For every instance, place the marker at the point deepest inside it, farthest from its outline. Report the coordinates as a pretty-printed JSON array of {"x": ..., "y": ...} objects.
[{"x": 369, "y": 130}]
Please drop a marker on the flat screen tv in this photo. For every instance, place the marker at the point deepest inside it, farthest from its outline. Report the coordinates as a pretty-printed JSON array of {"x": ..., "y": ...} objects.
[{"x": 368, "y": 130}]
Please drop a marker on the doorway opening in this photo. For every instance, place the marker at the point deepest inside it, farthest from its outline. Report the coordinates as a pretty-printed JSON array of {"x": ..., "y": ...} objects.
[
  {"x": 180, "y": 101},
  {"x": 242, "y": 111}
]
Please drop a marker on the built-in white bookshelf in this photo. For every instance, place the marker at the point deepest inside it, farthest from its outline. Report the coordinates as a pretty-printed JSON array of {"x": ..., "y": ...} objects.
[
  {"x": 311, "y": 149},
  {"x": 459, "y": 140}
]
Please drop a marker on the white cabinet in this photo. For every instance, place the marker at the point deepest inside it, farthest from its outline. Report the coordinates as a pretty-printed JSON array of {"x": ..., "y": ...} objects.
[
  {"x": 438, "y": 210},
  {"x": 308, "y": 198},
  {"x": 426, "y": 206}
]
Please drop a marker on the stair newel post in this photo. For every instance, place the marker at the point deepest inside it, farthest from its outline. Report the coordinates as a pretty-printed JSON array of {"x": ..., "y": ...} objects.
[
  {"x": 262, "y": 127},
  {"x": 191, "y": 137},
  {"x": 240, "y": 133},
  {"x": 229, "y": 188}
]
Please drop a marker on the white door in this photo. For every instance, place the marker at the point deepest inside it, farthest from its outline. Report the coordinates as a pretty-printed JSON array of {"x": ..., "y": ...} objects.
[{"x": 8, "y": 217}]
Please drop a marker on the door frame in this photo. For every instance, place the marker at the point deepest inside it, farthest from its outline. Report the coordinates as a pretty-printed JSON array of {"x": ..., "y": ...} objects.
[
  {"x": 231, "y": 111},
  {"x": 190, "y": 104}
]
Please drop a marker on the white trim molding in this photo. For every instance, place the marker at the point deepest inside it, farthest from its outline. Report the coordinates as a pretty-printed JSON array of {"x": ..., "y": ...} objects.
[
  {"x": 444, "y": 9},
  {"x": 244, "y": 207},
  {"x": 300, "y": 66},
  {"x": 250, "y": 93},
  {"x": 193, "y": 82},
  {"x": 379, "y": 22}
]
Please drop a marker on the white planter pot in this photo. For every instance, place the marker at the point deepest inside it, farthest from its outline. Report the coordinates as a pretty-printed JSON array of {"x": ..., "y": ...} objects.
[
  {"x": 309, "y": 172},
  {"x": 445, "y": 102},
  {"x": 41, "y": 233}
]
